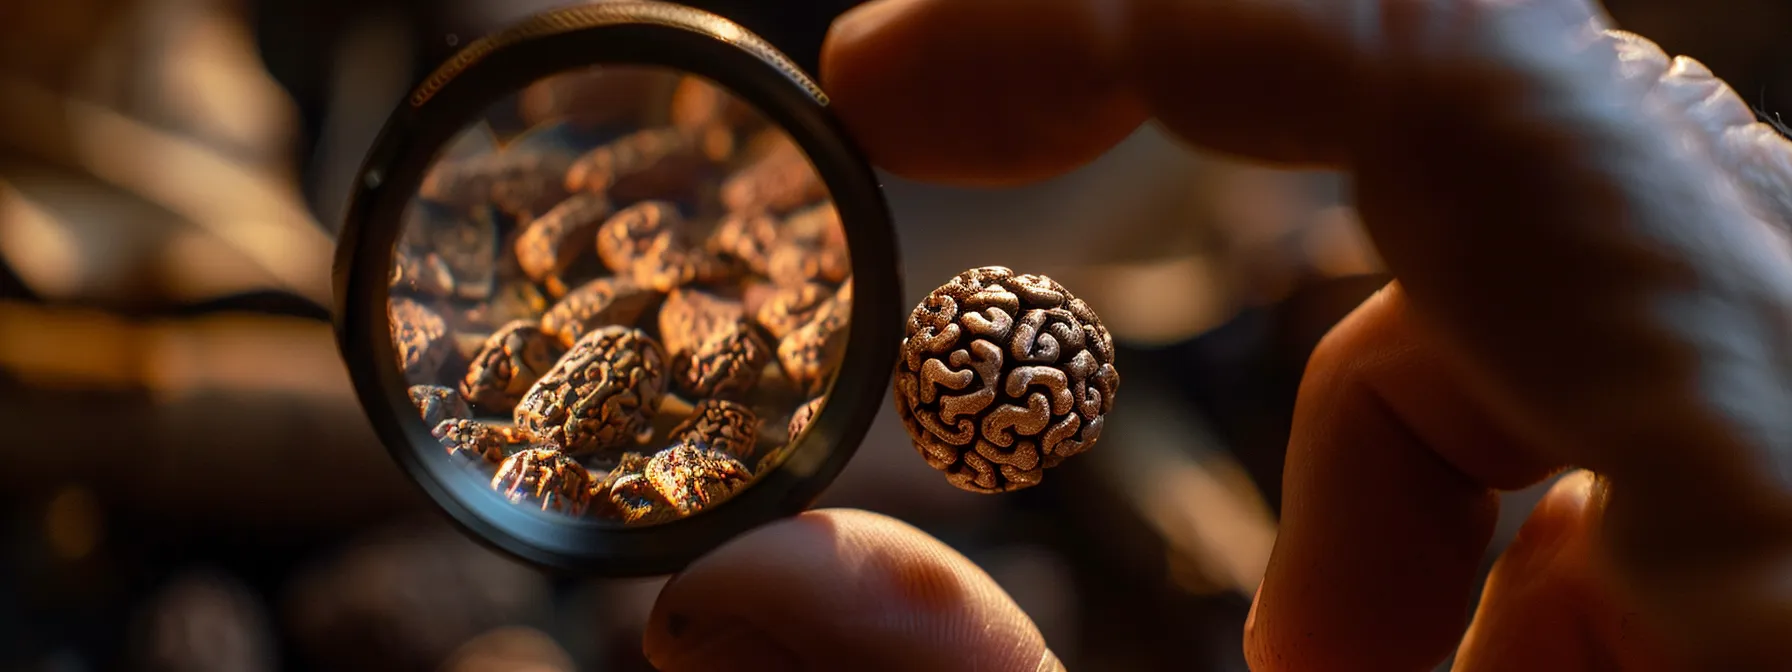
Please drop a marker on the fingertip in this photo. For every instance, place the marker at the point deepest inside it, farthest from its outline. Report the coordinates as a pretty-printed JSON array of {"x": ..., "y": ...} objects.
[
  {"x": 1280, "y": 82},
  {"x": 1548, "y": 592},
  {"x": 1569, "y": 495},
  {"x": 838, "y": 589},
  {"x": 986, "y": 93}
]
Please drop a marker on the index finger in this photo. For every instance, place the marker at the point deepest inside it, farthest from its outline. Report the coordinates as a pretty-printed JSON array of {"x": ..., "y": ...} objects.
[
  {"x": 1007, "y": 91},
  {"x": 981, "y": 93}
]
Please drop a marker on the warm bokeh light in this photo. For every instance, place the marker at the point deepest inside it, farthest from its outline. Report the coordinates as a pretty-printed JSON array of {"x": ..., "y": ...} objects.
[{"x": 73, "y": 523}]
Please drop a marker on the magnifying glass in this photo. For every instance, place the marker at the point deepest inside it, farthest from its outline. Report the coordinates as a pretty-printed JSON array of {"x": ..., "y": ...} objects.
[{"x": 615, "y": 287}]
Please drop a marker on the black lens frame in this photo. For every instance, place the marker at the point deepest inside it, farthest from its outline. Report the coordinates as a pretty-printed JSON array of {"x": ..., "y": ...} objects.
[{"x": 618, "y": 33}]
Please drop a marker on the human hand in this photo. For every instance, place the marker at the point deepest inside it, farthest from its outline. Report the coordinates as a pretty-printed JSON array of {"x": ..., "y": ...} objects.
[{"x": 1590, "y": 242}]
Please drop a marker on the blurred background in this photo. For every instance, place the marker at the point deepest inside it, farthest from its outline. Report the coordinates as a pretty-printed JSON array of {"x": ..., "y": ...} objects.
[{"x": 189, "y": 483}]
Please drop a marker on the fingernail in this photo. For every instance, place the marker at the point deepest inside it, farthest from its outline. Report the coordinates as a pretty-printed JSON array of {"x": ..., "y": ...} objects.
[
  {"x": 723, "y": 648},
  {"x": 1050, "y": 663}
]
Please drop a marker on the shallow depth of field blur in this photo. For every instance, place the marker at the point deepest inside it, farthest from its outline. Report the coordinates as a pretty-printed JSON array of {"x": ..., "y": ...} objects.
[{"x": 189, "y": 484}]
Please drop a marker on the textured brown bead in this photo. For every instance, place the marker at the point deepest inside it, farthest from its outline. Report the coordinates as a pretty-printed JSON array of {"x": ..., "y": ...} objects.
[
  {"x": 690, "y": 317},
  {"x": 725, "y": 364},
  {"x": 799, "y": 421},
  {"x": 654, "y": 163},
  {"x": 778, "y": 181},
  {"x": 594, "y": 305},
  {"x": 811, "y": 248},
  {"x": 420, "y": 336},
  {"x": 509, "y": 363},
  {"x": 638, "y": 232},
  {"x": 552, "y": 242},
  {"x": 693, "y": 478},
  {"x": 804, "y": 414},
  {"x": 545, "y": 476},
  {"x": 722, "y": 425},
  {"x": 464, "y": 243},
  {"x": 791, "y": 264},
  {"x": 420, "y": 274},
  {"x": 698, "y": 104},
  {"x": 601, "y": 396},
  {"x": 815, "y": 226},
  {"x": 597, "y": 97},
  {"x": 809, "y": 353},
  {"x": 625, "y": 494},
  {"x": 437, "y": 403},
  {"x": 521, "y": 181},
  {"x": 651, "y": 243},
  {"x": 792, "y": 306},
  {"x": 747, "y": 238},
  {"x": 513, "y": 300},
  {"x": 1003, "y": 376},
  {"x": 480, "y": 441}
]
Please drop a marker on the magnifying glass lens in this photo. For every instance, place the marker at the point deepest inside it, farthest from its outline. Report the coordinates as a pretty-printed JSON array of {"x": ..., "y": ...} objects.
[{"x": 619, "y": 296}]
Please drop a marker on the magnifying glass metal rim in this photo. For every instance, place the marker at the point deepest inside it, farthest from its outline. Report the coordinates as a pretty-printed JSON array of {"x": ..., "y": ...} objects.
[{"x": 615, "y": 33}]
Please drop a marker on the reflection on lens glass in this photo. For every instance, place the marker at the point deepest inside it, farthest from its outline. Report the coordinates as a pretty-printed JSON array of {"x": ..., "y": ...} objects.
[{"x": 620, "y": 296}]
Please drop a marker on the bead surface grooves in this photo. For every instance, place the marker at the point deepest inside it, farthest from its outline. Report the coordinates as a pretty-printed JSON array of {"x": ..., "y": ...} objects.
[{"x": 1003, "y": 376}]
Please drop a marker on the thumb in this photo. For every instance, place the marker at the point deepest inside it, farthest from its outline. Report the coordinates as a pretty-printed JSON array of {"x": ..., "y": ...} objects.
[{"x": 840, "y": 590}]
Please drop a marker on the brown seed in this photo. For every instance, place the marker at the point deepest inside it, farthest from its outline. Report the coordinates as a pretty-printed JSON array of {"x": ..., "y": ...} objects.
[
  {"x": 601, "y": 396},
  {"x": 480, "y": 441},
  {"x": 437, "y": 403},
  {"x": 420, "y": 274},
  {"x": 509, "y": 363},
  {"x": 520, "y": 181},
  {"x": 843, "y": 297},
  {"x": 792, "y": 264},
  {"x": 724, "y": 365},
  {"x": 420, "y": 337},
  {"x": 552, "y": 242},
  {"x": 811, "y": 248},
  {"x": 693, "y": 478},
  {"x": 654, "y": 163},
  {"x": 651, "y": 243},
  {"x": 746, "y": 239},
  {"x": 754, "y": 292},
  {"x": 594, "y": 305},
  {"x": 545, "y": 476},
  {"x": 799, "y": 421},
  {"x": 627, "y": 495},
  {"x": 792, "y": 306},
  {"x": 637, "y": 232},
  {"x": 804, "y": 414},
  {"x": 721, "y": 425},
  {"x": 698, "y": 104},
  {"x": 514, "y": 300},
  {"x": 597, "y": 97},
  {"x": 1003, "y": 376},
  {"x": 465, "y": 242},
  {"x": 690, "y": 317},
  {"x": 778, "y": 181},
  {"x": 816, "y": 226},
  {"x": 809, "y": 353}
]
